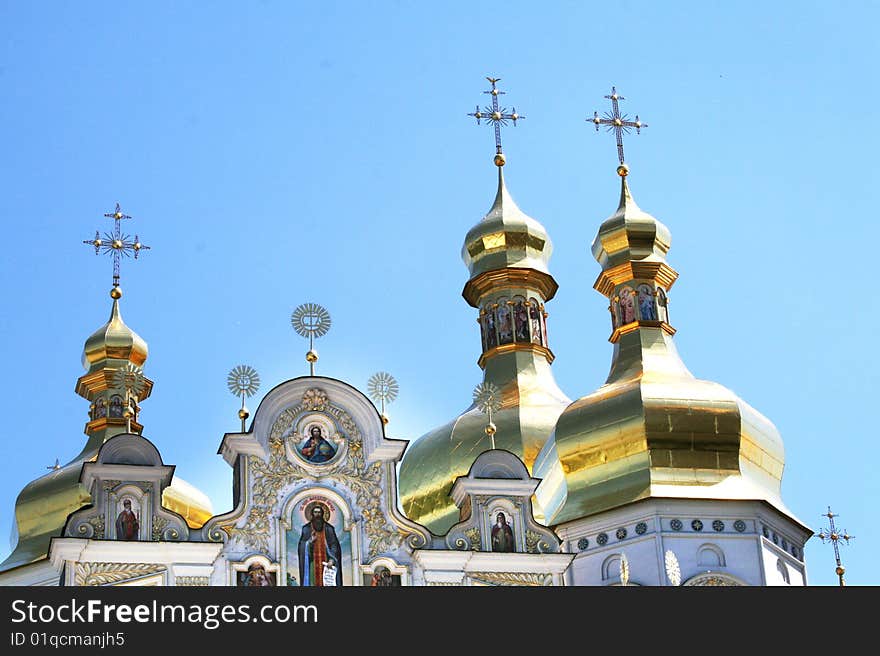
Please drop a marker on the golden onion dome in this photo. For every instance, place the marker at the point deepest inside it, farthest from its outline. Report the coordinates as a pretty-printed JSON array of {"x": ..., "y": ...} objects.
[
  {"x": 506, "y": 237},
  {"x": 507, "y": 255},
  {"x": 653, "y": 429},
  {"x": 114, "y": 341}
]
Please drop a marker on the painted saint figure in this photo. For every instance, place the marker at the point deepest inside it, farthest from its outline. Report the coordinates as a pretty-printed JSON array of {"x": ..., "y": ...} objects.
[
  {"x": 115, "y": 406},
  {"x": 535, "y": 317},
  {"x": 257, "y": 576},
  {"x": 662, "y": 302},
  {"x": 505, "y": 330},
  {"x": 502, "y": 534},
  {"x": 647, "y": 311},
  {"x": 627, "y": 306},
  {"x": 491, "y": 337},
  {"x": 127, "y": 524},
  {"x": 315, "y": 448},
  {"x": 318, "y": 547},
  {"x": 521, "y": 321}
]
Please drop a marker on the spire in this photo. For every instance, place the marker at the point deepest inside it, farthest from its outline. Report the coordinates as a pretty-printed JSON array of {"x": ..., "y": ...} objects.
[
  {"x": 507, "y": 254},
  {"x": 114, "y": 354}
]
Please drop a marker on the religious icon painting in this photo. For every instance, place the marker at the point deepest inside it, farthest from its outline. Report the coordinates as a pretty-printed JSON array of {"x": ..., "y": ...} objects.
[
  {"x": 255, "y": 576},
  {"x": 627, "y": 305},
  {"x": 535, "y": 320},
  {"x": 647, "y": 310},
  {"x": 128, "y": 519},
  {"x": 382, "y": 578},
  {"x": 502, "y": 532},
  {"x": 318, "y": 548},
  {"x": 316, "y": 440}
]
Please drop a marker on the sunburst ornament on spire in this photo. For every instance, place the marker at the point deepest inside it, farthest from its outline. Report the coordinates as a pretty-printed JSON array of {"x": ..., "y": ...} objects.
[
  {"x": 311, "y": 320},
  {"x": 131, "y": 379},
  {"x": 117, "y": 245},
  {"x": 617, "y": 123},
  {"x": 496, "y": 116},
  {"x": 243, "y": 381},
  {"x": 383, "y": 387},
  {"x": 487, "y": 397}
]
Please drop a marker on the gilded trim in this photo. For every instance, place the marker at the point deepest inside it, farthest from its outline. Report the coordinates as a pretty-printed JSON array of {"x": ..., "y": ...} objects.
[
  {"x": 517, "y": 346},
  {"x": 660, "y": 272},
  {"x": 509, "y": 278},
  {"x": 635, "y": 325}
]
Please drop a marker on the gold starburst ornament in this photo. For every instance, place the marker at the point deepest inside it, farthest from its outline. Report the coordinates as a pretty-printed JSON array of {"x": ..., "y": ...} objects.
[
  {"x": 311, "y": 320},
  {"x": 243, "y": 381},
  {"x": 382, "y": 387}
]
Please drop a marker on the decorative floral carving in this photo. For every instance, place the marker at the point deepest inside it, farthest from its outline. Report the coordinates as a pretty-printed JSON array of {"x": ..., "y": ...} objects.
[
  {"x": 159, "y": 524},
  {"x": 110, "y": 483},
  {"x": 473, "y": 536},
  {"x": 711, "y": 580},
  {"x": 513, "y": 578},
  {"x": 191, "y": 581},
  {"x": 535, "y": 542},
  {"x": 98, "y": 523},
  {"x": 108, "y": 573},
  {"x": 315, "y": 399}
]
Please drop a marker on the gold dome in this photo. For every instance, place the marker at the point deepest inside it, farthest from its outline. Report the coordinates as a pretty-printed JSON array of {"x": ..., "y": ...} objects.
[
  {"x": 188, "y": 501},
  {"x": 507, "y": 255},
  {"x": 506, "y": 237},
  {"x": 114, "y": 341},
  {"x": 653, "y": 429},
  {"x": 531, "y": 403}
]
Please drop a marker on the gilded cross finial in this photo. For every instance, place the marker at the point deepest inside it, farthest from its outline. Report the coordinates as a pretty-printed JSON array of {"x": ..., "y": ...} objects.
[
  {"x": 496, "y": 116},
  {"x": 117, "y": 244},
  {"x": 834, "y": 536},
  {"x": 617, "y": 122}
]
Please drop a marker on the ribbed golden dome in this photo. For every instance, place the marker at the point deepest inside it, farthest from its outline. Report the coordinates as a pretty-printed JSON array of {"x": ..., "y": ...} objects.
[
  {"x": 114, "y": 340},
  {"x": 506, "y": 237},
  {"x": 188, "y": 501},
  {"x": 653, "y": 429},
  {"x": 507, "y": 254}
]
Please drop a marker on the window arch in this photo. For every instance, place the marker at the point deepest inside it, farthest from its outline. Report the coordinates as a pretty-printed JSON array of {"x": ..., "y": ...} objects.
[{"x": 710, "y": 555}]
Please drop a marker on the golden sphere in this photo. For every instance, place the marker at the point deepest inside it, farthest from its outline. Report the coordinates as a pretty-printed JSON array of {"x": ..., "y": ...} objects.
[
  {"x": 118, "y": 215},
  {"x": 496, "y": 116},
  {"x": 243, "y": 413},
  {"x": 116, "y": 293},
  {"x": 384, "y": 420},
  {"x": 312, "y": 356},
  {"x": 117, "y": 244},
  {"x": 839, "y": 571},
  {"x": 623, "y": 170},
  {"x": 499, "y": 160},
  {"x": 491, "y": 428}
]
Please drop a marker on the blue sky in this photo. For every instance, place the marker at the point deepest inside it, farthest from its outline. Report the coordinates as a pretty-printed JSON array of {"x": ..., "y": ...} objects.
[{"x": 275, "y": 153}]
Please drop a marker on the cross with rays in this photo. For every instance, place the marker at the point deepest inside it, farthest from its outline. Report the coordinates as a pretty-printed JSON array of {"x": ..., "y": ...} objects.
[
  {"x": 617, "y": 122},
  {"x": 117, "y": 244},
  {"x": 497, "y": 116}
]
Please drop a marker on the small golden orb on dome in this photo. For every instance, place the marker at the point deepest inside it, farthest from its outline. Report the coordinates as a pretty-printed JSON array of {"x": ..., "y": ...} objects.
[
  {"x": 500, "y": 160},
  {"x": 384, "y": 420},
  {"x": 117, "y": 244},
  {"x": 623, "y": 170},
  {"x": 496, "y": 116},
  {"x": 312, "y": 356},
  {"x": 839, "y": 571},
  {"x": 243, "y": 413},
  {"x": 491, "y": 428},
  {"x": 116, "y": 293},
  {"x": 118, "y": 215}
]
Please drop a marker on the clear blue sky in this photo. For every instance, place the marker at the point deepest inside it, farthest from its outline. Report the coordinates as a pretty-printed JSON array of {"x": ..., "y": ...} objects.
[{"x": 274, "y": 153}]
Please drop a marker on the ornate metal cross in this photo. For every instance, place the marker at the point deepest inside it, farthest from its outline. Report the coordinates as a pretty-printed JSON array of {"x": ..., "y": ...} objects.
[
  {"x": 617, "y": 122},
  {"x": 497, "y": 116},
  {"x": 834, "y": 536},
  {"x": 117, "y": 244}
]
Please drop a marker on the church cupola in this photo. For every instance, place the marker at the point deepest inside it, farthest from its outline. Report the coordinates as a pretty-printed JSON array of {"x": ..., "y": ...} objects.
[
  {"x": 653, "y": 429},
  {"x": 507, "y": 255}
]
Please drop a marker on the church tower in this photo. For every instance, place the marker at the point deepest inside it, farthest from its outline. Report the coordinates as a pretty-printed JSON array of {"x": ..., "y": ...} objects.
[
  {"x": 656, "y": 459},
  {"x": 114, "y": 384},
  {"x": 507, "y": 254}
]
